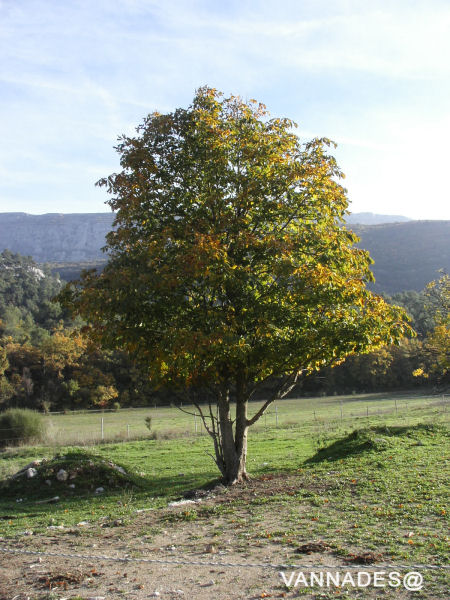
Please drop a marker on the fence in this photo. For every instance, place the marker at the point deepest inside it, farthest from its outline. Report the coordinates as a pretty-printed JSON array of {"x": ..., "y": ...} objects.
[{"x": 90, "y": 428}]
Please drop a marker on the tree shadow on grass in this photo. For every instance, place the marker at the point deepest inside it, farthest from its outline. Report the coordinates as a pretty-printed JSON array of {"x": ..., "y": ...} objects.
[{"x": 373, "y": 439}]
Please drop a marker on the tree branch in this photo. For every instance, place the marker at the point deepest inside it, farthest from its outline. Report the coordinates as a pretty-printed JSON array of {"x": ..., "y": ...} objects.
[{"x": 284, "y": 389}]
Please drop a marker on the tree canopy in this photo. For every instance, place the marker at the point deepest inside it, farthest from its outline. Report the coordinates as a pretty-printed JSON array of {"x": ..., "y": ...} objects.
[{"x": 230, "y": 263}]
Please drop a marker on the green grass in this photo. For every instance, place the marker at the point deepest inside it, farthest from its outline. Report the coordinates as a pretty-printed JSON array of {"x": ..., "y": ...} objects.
[
  {"x": 360, "y": 484},
  {"x": 85, "y": 428},
  {"x": 163, "y": 469}
]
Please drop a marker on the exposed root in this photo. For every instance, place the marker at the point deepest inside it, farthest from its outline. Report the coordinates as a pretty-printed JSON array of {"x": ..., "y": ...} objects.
[{"x": 241, "y": 478}]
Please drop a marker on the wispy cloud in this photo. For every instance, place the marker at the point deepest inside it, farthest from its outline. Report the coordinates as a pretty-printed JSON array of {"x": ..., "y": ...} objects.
[{"x": 74, "y": 75}]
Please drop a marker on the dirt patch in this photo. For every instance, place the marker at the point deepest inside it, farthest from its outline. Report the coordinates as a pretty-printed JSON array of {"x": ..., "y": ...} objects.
[{"x": 214, "y": 548}]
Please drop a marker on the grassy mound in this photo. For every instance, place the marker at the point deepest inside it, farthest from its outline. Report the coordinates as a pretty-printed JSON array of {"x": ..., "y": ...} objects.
[
  {"x": 72, "y": 474},
  {"x": 379, "y": 439},
  {"x": 20, "y": 425}
]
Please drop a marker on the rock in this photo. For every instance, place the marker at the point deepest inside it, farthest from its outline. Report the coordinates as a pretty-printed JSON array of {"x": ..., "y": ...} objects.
[
  {"x": 82, "y": 523},
  {"x": 99, "y": 490},
  {"x": 120, "y": 469},
  {"x": 72, "y": 486},
  {"x": 48, "y": 482},
  {"x": 208, "y": 584},
  {"x": 62, "y": 475},
  {"x": 31, "y": 472},
  {"x": 26, "y": 532}
]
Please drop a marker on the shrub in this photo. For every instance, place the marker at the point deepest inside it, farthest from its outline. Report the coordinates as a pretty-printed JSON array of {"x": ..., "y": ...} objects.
[{"x": 21, "y": 425}]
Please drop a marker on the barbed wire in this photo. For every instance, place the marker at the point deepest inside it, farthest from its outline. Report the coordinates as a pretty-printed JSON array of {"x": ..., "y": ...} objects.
[{"x": 126, "y": 559}]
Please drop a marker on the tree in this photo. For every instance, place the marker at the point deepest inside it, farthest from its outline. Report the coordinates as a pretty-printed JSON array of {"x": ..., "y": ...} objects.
[
  {"x": 438, "y": 342},
  {"x": 229, "y": 263}
]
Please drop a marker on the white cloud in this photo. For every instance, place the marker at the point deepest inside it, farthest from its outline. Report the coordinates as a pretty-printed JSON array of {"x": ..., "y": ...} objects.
[{"x": 372, "y": 76}]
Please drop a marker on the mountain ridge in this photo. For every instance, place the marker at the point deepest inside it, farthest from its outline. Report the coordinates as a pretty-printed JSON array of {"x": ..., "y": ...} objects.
[{"x": 407, "y": 254}]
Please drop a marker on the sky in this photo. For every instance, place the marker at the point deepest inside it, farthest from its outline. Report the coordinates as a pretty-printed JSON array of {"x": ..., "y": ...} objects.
[{"x": 372, "y": 75}]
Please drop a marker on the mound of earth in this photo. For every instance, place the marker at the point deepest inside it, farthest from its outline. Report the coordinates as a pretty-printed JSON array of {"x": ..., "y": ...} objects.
[
  {"x": 378, "y": 439},
  {"x": 71, "y": 474}
]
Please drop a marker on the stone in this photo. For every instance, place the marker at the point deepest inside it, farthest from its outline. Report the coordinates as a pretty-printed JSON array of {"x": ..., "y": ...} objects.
[
  {"x": 62, "y": 475},
  {"x": 31, "y": 472}
]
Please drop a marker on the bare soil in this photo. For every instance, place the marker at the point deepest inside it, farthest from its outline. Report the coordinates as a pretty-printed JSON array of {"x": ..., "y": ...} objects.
[{"x": 189, "y": 534}]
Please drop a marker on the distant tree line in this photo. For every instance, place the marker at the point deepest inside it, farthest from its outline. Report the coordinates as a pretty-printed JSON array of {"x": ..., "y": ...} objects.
[{"x": 46, "y": 363}]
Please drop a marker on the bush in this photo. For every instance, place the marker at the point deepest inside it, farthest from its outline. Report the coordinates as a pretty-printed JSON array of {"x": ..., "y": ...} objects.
[{"x": 21, "y": 425}]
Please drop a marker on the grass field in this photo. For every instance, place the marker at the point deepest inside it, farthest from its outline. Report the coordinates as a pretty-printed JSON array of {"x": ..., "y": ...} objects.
[
  {"x": 382, "y": 490},
  {"x": 86, "y": 428}
]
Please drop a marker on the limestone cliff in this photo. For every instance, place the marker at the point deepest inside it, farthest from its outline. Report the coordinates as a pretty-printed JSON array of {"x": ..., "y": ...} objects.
[{"x": 56, "y": 237}]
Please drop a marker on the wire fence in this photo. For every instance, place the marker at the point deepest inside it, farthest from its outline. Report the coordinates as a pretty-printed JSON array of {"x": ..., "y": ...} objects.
[
  {"x": 210, "y": 563},
  {"x": 86, "y": 428}
]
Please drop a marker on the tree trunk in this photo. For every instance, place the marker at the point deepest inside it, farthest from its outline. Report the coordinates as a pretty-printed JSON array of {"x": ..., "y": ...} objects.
[
  {"x": 230, "y": 443},
  {"x": 233, "y": 444}
]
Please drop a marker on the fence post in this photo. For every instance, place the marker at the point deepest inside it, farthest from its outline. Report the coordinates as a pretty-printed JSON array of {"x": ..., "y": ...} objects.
[
  {"x": 276, "y": 416},
  {"x": 102, "y": 428},
  {"x": 396, "y": 410},
  {"x": 195, "y": 424},
  {"x": 128, "y": 431},
  {"x": 342, "y": 412}
]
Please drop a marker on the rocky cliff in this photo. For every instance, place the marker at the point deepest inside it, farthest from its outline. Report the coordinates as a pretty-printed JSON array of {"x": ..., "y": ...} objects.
[
  {"x": 56, "y": 237},
  {"x": 407, "y": 254}
]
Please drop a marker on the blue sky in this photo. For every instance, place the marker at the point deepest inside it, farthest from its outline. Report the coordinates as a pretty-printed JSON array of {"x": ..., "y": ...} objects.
[{"x": 374, "y": 76}]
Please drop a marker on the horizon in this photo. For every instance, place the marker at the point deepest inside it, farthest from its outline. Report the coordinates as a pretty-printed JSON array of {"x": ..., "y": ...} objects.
[{"x": 366, "y": 213}]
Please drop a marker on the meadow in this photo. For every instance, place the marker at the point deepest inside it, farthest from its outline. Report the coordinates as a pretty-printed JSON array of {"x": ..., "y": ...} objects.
[
  {"x": 366, "y": 476},
  {"x": 91, "y": 427}
]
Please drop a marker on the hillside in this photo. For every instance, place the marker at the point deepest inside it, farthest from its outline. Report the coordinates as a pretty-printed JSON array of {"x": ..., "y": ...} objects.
[{"x": 407, "y": 254}]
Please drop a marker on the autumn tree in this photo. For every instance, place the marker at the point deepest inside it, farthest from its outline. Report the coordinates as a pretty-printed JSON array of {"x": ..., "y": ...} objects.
[
  {"x": 438, "y": 342},
  {"x": 229, "y": 264}
]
